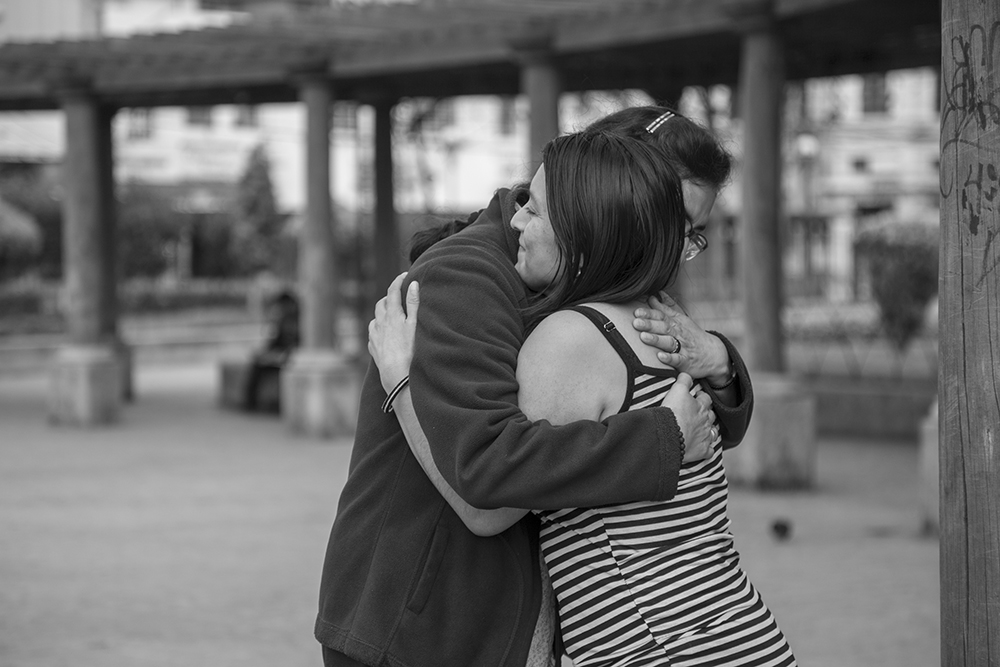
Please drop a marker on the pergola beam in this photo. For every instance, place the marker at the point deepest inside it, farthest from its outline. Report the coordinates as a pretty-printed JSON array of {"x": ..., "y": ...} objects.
[{"x": 447, "y": 48}]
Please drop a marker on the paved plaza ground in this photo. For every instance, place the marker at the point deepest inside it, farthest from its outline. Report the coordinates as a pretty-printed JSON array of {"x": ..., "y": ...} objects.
[{"x": 188, "y": 536}]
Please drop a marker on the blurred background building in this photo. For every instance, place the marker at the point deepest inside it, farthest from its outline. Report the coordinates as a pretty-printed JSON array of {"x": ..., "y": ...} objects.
[
  {"x": 216, "y": 193},
  {"x": 857, "y": 147}
]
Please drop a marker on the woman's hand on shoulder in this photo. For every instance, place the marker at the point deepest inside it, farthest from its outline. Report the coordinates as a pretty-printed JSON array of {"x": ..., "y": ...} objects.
[
  {"x": 692, "y": 409},
  {"x": 392, "y": 333},
  {"x": 680, "y": 341},
  {"x": 565, "y": 371}
]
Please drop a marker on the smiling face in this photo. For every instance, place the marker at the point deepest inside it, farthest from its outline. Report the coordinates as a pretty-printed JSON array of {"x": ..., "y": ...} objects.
[{"x": 538, "y": 257}]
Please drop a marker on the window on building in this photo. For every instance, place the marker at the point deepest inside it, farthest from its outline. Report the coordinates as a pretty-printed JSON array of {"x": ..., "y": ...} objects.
[
  {"x": 246, "y": 116},
  {"x": 345, "y": 116},
  {"x": 140, "y": 123},
  {"x": 874, "y": 97},
  {"x": 199, "y": 116},
  {"x": 508, "y": 115},
  {"x": 861, "y": 165}
]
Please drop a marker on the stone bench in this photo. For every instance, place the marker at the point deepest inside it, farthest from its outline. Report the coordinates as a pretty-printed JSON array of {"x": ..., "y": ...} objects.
[
  {"x": 316, "y": 393},
  {"x": 234, "y": 386}
]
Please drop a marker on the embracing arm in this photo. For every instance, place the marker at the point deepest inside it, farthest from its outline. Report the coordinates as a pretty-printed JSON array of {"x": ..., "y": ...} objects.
[
  {"x": 708, "y": 356},
  {"x": 464, "y": 391},
  {"x": 481, "y": 522},
  {"x": 733, "y": 405}
]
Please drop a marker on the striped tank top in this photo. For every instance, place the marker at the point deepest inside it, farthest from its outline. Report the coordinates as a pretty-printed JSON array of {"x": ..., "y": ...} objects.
[{"x": 657, "y": 583}]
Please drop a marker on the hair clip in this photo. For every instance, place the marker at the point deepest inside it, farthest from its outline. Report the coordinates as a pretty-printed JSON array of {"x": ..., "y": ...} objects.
[{"x": 652, "y": 127}]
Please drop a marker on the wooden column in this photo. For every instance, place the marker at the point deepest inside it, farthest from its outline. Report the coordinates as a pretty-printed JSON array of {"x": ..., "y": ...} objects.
[
  {"x": 317, "y": 263},
  {"x": 969, "y": 382},
  {"x": 86, "y": 386},
  {"x": 669, "y": 96},
  {"x": 762, "y": 78},
  {"x": 318, "y": 386},
  {"x": 779, "y": 449},
  {"x": 388, "y": 254},
  {"x": 541, "y": 82}
]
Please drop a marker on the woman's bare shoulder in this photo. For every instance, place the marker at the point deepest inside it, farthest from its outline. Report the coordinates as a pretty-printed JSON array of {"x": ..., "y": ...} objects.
[{"x": 563, "y": 370}]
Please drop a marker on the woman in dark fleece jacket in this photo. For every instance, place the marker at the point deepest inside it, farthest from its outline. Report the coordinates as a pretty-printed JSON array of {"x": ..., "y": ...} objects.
[{"x": 405, "y": 582}]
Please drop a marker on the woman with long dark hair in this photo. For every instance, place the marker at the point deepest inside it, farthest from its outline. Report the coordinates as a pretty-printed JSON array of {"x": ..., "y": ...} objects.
[{"x": 406, "y": 579}]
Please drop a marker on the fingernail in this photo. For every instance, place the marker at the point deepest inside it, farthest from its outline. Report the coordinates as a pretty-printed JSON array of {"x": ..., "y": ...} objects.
[{"x": 640, "y": 313}]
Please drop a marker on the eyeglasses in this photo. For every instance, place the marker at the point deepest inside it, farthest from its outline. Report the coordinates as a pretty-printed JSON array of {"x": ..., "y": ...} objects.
[{"x": 696, "y": 245}]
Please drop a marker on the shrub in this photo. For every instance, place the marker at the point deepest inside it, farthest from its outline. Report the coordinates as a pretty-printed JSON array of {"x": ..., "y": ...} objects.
[
  {"x": 20, "y": 241},
  {"x": 147, "y": 227},
  {"x": 16, "y": 302},
  {"x": 902, "y": 260},
  {"x": 157, "y": 296},
  {"x": 33, "y": 191}
]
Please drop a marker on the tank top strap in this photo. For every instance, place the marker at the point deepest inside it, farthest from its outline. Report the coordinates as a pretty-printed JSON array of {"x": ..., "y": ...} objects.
[{"x": 613, "y": 336}]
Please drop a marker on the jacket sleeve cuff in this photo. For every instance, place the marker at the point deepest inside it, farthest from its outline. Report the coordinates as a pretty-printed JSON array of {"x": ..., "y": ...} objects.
[
  {"x": 668, "y": 432},
  {"x": 733, "y": 419}
]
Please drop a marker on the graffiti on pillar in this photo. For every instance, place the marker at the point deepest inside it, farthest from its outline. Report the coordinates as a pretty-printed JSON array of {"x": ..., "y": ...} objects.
[{"x": 971, "y": 110}]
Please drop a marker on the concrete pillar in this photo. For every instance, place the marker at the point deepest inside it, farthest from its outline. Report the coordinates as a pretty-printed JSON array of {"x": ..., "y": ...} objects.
[
  {"x": 840, "y": 286},
  {"x": 762, "y": 80},
  {"x": 88, "y": 378},
  {"x": 319, "y": 388},
  {"x": 388, "y": 253},
  {"x": 717, "y": 259},
  {"x": 541, "y": 82},
  {"x": 668, "y": 96},
  {"x": 930, "y": 471},
  {"x": 109, "y": 320},
  {"x": 779, "y": 449}
]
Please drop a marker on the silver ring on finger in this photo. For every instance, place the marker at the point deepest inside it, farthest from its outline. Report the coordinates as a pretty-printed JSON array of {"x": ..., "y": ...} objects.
[{"x": 677, "y": 345}]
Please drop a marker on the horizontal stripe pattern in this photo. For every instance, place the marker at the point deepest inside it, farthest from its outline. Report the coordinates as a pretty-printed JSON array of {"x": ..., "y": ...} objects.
[{"x": 659, "y": 583}]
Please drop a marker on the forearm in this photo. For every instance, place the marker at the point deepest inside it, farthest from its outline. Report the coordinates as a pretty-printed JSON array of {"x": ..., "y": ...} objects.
[
  {"x": 733, "y": 405},
  {"x": 479, "y": 521},
  {"x": 464, "y": 391}
]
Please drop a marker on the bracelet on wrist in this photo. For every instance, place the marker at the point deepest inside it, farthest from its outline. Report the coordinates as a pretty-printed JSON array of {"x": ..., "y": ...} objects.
[
  {"x": 724, "y": 385},
  {"x": 387, "y": 403}
]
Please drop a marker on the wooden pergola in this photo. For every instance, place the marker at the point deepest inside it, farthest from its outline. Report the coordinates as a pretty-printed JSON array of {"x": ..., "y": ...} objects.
[
  {"x": 378, "y": 53},
  {"x": 441, "y": 48}
]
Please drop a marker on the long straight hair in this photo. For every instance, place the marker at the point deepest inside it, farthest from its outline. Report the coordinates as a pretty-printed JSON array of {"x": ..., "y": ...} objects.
[{"x": 617, "y": 212}]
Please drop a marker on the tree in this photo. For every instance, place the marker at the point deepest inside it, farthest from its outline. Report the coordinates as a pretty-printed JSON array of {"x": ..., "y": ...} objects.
[
  {"x": 148, "y": 229},
  {"x": 28, "y": 189},
  {"x": 20, "y": 241},
  {"x": 903, "y": 263},
  {"x": 258, "y": 223}
]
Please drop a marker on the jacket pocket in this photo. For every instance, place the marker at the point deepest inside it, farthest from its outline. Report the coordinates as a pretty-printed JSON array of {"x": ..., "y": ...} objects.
[{"x": 432, "y": 564}]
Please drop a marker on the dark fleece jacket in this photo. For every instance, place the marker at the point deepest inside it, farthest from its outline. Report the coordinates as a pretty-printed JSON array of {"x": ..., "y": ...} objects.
[{"x": 405, "y": 583}]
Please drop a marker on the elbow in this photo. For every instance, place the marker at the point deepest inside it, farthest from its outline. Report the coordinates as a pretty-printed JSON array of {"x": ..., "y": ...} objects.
[
  {"x": 484, "y": 529},
  {"x": 473, "y": 491},
  {"x": 482, "y": 525}
]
